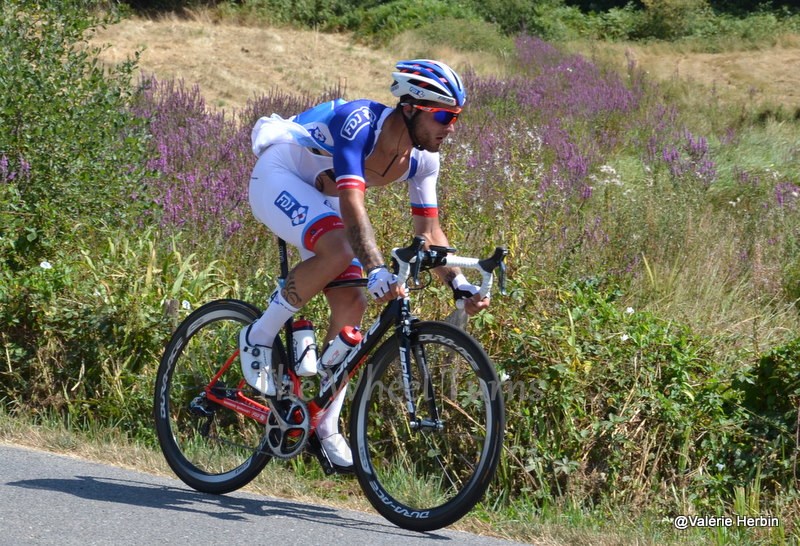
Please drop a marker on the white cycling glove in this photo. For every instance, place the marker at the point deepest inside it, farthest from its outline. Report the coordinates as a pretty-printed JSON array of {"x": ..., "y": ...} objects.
[
  {"x": 378, "y": 281},
  {"x": 462, "y": 289}
]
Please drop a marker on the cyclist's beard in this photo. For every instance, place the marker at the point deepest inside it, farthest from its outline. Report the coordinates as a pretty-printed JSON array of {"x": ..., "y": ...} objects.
[{"x": 422, "y": 140}]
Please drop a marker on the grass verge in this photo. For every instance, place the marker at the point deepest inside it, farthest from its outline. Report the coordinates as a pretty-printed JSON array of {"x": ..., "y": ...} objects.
[{"x": 549, "y": 523}]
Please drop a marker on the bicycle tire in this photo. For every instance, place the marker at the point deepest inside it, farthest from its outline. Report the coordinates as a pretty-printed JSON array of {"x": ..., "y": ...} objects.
[
  {"x": 211, "y": 448},
  {"x": 427, "y": 479}
]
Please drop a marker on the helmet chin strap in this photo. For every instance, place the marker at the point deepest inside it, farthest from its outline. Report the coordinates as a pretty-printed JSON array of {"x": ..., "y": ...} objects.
[{"x": 410, "y": 127}]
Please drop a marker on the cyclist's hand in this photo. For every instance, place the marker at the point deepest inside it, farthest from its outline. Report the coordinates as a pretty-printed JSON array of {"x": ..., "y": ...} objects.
[
  {"x": 475, "y": 305},
  {"x": 382, "y": 284},
  {"x": 463, "y": 290}
]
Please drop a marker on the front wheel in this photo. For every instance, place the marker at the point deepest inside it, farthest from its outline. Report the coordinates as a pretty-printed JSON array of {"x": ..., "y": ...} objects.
[
  {"x": 211, "y": 447},
  {"x": 427, "y": 474}
]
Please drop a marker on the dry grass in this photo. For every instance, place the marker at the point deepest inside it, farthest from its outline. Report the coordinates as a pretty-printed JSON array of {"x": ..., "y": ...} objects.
[
  {"x": 766, "y": 76},
  {"x": 231, "y": 62}
]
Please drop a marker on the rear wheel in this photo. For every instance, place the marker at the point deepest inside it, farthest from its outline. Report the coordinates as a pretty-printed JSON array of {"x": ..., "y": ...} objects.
[
  {"x": 426, "y": 475},
  {"x": 211, "y": 448}
]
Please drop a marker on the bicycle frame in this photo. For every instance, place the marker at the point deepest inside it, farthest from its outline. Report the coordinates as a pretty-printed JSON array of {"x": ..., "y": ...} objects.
[
  {"x": 397, "y": 313},
  {"x": 241, "y": 403}
]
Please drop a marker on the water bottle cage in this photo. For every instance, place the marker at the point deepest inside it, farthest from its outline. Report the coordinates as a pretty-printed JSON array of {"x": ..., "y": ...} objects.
[{"x": 310, "y": 347}]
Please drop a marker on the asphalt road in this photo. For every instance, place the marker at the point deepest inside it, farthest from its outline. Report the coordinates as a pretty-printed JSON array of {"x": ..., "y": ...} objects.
[{"x": 53, "y": 499}]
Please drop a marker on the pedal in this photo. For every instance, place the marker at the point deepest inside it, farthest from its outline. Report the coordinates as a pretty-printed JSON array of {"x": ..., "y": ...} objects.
[{"x": 315, "y": 448}]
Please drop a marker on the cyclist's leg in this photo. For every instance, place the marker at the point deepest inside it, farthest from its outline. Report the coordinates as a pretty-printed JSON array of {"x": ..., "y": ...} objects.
[
  {"x": 283, "y": 198},
  {"x": 305, "y": 218},
  {"x": 347, "y": 306},
  {"x": 347, "y": 309}
]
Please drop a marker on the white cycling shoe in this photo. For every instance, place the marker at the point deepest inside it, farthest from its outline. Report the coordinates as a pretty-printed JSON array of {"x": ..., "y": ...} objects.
[
  {"x": 338, "y": 452},
  {"x": 256, "y": 364}
]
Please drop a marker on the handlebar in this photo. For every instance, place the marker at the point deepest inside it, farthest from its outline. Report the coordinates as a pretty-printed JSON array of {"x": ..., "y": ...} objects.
[{"x": 409, "y": 261}]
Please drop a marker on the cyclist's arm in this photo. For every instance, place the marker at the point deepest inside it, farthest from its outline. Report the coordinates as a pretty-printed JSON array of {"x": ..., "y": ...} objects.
[
  {"x": 359, "y": 228},
  {"x": 425, "y": 208},
  {"x": 429, "y": 228},
  {"x": 353, "y": 128},
  {"x": 361, "y": 237}
]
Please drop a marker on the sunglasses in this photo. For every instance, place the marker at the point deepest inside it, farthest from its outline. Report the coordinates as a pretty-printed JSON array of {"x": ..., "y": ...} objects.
[{"x": 441, "y": 115}]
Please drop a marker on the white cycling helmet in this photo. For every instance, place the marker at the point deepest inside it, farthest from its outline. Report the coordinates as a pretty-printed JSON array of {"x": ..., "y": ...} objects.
[{"x": 425, "y": 79}]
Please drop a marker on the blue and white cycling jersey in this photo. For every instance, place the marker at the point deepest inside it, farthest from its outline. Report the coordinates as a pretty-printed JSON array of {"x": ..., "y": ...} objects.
[{"x": 348, "y": 131}]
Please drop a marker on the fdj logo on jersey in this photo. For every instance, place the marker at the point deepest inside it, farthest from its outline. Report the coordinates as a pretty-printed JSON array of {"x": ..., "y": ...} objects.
[
  {"x": 294, "y": 210},
  {"x": 357, "y": 120}
]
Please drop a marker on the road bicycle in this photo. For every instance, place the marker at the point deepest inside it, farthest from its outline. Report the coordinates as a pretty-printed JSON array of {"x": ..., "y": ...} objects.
[{"x": 426, "y": 423}]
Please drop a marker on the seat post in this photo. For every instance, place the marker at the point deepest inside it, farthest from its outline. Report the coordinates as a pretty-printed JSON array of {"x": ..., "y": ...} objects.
[{"x": 283, "y": 258}]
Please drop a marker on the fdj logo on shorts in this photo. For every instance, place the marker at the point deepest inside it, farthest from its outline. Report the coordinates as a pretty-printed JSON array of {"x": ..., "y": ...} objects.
[{"x": 294, "y": 210}]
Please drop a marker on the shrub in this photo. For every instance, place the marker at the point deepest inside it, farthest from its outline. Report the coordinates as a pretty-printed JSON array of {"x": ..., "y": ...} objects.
[
  {"x": 618, "y": 23},
  {"x": 384, "y": 21},
  {"x": 606, "y": 401},
  {"x": 71, "y": 154},
  {"x": 670, "y": 19},
  {"x": 512, "y": 16},
  {"x": 308, "y": 13},
  {"x": 774, "y": 387},
  {"x": 465, "y": 35},
  {"x": 65, "y": 125},
  {"x": 84, "y": 330}
]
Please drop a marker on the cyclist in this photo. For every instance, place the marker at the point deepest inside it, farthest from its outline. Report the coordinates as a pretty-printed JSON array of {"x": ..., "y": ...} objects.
[{"x": 308, "y": 187}]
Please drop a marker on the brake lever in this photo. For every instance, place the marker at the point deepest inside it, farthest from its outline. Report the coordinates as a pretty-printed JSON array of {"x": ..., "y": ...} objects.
[
  {"x": 497, "y": 260},
  {"x": 501, "y": 278},
  {"x": 416, "y": 265},
  {"x": 410, "y": 256}
]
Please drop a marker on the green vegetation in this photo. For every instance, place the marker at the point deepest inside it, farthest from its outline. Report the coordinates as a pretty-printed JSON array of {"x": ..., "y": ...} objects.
[
  {"x": 71, "y": 155},
  {"x": 698, "y": 21},
  {"x": 650, "y": 338}
]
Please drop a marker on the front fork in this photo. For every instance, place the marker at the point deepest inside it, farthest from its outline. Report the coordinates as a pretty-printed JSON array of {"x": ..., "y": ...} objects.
[{"x": 404, "y": 333}]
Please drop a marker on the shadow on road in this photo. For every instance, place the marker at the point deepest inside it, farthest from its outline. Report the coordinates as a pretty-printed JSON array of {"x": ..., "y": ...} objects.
[{"x": 226, "y": 507}]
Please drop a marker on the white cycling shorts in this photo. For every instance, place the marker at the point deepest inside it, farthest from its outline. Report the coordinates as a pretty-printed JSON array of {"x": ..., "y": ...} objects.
[{"x": 283, "y": 197}]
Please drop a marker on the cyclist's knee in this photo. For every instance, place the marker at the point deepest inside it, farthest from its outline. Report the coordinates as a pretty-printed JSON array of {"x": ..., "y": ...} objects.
[
  {"x": 351, "y": 301},
  {"x": 334, "y": 248},
  {"x": 359, "y": 303}
]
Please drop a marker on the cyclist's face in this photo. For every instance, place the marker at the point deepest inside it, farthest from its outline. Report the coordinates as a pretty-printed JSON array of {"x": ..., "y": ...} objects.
[{"x": 429, "y": 133}]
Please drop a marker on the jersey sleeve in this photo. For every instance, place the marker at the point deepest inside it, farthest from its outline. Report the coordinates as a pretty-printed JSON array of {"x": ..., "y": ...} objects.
[
  {"x": 422, "y": 184},
  {"x": 353, "y": 128}
]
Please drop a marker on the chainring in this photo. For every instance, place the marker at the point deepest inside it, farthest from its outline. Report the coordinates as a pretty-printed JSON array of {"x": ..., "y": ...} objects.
[{"x": 287, "y": 426}]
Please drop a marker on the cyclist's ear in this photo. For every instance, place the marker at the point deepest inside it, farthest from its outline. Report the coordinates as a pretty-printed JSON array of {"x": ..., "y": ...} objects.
[{"x": 404, "y": 105}]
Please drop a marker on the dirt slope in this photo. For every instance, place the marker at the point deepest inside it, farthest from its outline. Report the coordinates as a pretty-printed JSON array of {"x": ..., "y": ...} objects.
[
  {"x": 766, "y": 77},
  {"x": 232, "y": 63}
]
